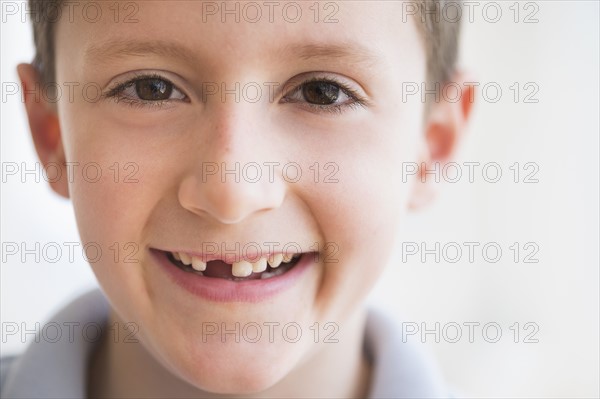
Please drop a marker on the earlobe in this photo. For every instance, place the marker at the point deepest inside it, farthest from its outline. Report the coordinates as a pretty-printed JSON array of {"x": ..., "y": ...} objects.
[
  {"x": 44, "y": 126},
  {"x": 444, "y": 128}
]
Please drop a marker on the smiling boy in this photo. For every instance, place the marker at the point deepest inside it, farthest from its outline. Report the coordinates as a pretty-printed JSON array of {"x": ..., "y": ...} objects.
[{"x": 265, "y": 157}]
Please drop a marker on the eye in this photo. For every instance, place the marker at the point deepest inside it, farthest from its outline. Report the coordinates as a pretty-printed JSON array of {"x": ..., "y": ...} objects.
[
  {"x": 146, "y": 90},
  {"x": 153, "y": 89},
  {"x": 324, "y": 94}
]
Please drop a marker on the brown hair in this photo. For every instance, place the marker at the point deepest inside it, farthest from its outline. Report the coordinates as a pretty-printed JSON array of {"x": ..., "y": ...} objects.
[{"x": 441, "y": 36}]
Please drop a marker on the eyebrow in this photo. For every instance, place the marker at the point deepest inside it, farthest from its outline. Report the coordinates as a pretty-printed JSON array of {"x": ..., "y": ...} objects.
[
  {"x": 352, "y": 53},
  {"x": 117, "y": 49},
  {"x": 348, "y": 52}
]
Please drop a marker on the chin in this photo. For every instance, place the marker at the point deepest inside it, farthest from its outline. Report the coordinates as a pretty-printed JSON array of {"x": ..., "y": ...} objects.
[{"x": 236, "y": 368}]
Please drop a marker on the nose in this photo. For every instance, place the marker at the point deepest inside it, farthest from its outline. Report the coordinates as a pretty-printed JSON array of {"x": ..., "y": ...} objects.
[{"x": 232, "y": 178}]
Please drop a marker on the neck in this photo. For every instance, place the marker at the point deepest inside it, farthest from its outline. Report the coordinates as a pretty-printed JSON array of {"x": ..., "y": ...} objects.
[{"x": 127, "y": 370}]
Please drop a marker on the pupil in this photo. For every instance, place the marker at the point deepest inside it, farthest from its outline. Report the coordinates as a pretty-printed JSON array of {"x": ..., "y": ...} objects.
[
  {"x": 153, "y": 89},
  {"x": 322, "y": 93}
]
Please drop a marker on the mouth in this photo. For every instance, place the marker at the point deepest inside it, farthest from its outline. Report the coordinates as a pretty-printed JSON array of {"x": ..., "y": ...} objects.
[
  {"x": 265, "y": 267},
  {"x": 237, "y": 280}
]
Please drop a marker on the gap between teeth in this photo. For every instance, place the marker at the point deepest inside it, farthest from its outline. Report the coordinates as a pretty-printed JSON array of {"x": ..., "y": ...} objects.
[{"x": 242, "y": 268}]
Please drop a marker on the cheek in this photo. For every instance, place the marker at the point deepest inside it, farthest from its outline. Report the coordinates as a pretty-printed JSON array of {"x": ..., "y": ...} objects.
[
  {"x": 111, "y": 190},
  {"x": 360, "y": 212},
  {"x": 119, "y": 174},
  {"x": 120, "y": 168}
]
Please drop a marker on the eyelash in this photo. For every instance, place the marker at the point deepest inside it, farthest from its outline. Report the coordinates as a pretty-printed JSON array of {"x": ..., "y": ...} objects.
[
  {"x": 116, "y": 92},
  {"x": 356, "y": 100}
]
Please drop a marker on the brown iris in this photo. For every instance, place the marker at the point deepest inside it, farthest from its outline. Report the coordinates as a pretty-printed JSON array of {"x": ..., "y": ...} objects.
[
  {"x": 152, "y": 89},
  {"x": 322, "y": 93}
]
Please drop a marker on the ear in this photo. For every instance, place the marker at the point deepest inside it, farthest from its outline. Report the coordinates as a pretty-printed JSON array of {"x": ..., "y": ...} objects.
[
  {"x": 445, "y": 125},
  {"x": 45, "y": 128}
]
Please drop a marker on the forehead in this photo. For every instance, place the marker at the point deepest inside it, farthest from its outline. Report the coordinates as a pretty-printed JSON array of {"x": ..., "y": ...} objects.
[{"x": 226, "y": 35}]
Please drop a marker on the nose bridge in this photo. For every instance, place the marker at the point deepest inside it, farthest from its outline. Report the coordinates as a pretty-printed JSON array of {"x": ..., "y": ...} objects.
[{"x": 230, "y": 179}]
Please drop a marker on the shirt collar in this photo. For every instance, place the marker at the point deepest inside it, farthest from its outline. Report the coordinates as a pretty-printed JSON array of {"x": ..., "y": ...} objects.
[{"x": 57, "y": 367}]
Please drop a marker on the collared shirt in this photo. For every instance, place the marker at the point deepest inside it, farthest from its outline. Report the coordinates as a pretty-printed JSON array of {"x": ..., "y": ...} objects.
[{"x": 56, "y": 367}]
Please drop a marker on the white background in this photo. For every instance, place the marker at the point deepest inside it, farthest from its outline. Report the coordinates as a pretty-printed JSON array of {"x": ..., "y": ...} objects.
[{"x": 559, "y": 213}]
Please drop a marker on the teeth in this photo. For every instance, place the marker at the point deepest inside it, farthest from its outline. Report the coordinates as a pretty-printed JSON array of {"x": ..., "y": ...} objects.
[
  {"x": 198, "y": 265},
  {"x": 275, "y": 260},
  {"x": 185, "y": 258},
  {"x": 260, "y": 265},
  {"x": 241, "y": 269},
  {"x": 274, "y": 273}
]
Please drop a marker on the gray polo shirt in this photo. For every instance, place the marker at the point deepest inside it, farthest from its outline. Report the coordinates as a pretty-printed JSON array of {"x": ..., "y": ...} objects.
[{"x": 58, "y": 369}]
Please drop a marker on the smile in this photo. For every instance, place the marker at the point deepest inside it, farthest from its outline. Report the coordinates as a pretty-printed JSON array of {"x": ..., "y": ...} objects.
[
  {"x": 242, "y": 280},
  {"x": 244, "y": 269}
]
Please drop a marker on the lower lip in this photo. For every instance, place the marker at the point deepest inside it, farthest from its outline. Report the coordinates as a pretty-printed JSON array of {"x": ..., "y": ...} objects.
[{"x": 221, "y": 290}]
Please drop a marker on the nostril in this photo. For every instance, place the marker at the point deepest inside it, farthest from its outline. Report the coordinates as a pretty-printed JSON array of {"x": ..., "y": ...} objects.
[{"x": 229, "y": 199}]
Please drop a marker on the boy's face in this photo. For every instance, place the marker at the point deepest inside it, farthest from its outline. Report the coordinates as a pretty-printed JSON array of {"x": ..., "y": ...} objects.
[{"x": 347, "y": 203}]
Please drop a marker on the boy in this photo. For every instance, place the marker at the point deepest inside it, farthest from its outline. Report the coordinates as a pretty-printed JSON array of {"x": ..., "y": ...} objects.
[{"x": 250, "y": 186}]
